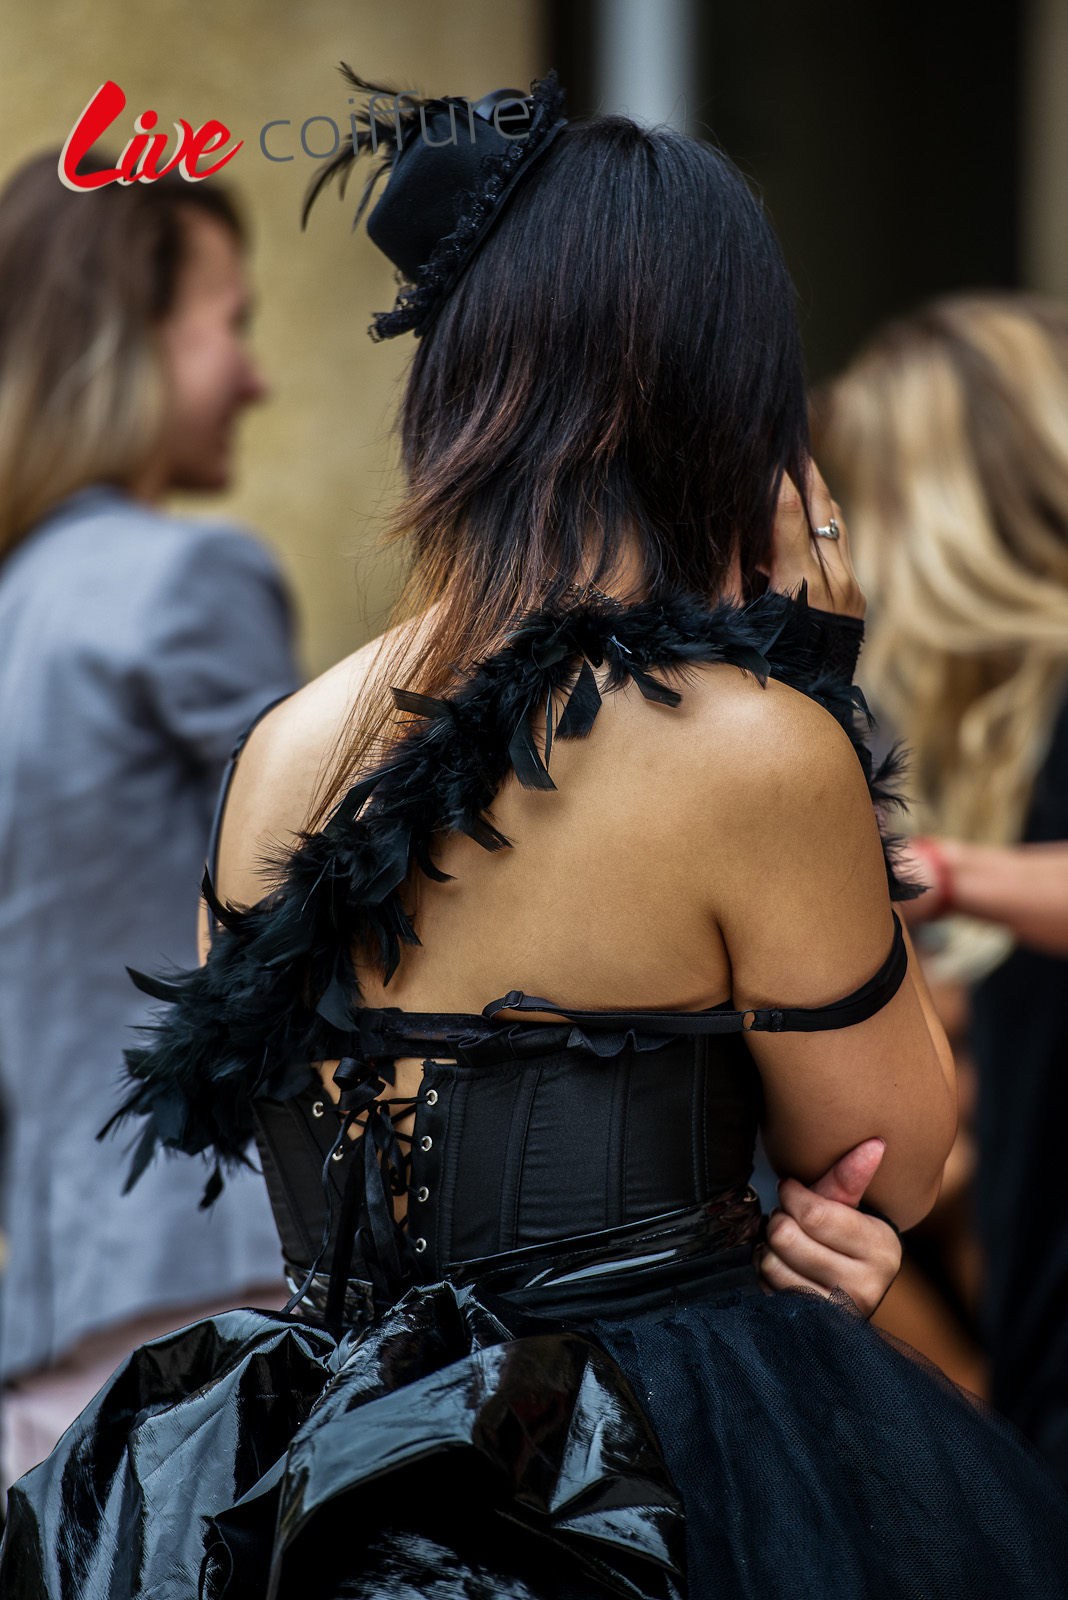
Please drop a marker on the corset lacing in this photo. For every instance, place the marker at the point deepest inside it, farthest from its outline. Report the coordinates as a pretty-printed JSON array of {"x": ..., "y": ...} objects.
[{"x": 377, "y": 1174}]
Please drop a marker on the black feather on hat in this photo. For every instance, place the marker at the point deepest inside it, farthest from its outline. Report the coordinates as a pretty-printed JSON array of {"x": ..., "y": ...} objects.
[{"x": 452, "y": 164}]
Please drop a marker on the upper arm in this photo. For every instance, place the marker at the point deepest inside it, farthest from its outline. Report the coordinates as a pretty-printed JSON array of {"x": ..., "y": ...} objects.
[
  {"x": 277, "y": 780},
  {"x": 805, "y": 915},
  {"x": 219, "y": 642}
]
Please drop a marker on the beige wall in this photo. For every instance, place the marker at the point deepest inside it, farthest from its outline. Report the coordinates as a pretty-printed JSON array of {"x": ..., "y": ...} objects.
[{"x": 318, "y": 464}]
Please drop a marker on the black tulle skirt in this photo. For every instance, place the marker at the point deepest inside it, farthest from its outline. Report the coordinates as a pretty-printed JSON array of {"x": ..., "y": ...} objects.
[{"x": 663, "y": 1430}]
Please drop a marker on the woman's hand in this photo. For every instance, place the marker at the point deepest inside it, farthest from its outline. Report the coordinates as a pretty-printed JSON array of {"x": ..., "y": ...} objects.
[
  {"x": 926, "y": 861},
  {"x": 817, "y": 1239},
  {"x": 1023, "y": 887},
  {"x": 796, "y": 551}
]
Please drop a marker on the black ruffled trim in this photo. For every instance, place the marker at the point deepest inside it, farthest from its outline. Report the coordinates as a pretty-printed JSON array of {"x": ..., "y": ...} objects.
[
  {"x": 417, "y": 304},
  {"x": 277, "y": 990}
]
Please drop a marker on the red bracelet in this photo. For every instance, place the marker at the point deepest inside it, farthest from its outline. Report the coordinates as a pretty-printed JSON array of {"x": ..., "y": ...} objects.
[{"x": 931, "y": 852}]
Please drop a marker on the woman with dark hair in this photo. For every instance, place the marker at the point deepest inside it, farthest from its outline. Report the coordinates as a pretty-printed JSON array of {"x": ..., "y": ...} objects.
[{"x": 528, "y": 1351}]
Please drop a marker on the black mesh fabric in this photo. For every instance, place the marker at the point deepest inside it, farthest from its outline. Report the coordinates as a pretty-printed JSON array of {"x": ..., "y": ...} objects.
[
  {"x": 727, "y": 1446},
  {"x": 819, "y": 1460}
]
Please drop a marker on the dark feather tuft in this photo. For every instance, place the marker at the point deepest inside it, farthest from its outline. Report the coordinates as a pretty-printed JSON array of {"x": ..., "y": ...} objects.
[
  {"x": 583, "y": 704},
  {"x": 384, "y": 138}
]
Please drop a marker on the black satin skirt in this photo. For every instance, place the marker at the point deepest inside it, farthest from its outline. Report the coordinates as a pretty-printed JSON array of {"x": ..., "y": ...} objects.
[{"x": 618, "y": 1414}]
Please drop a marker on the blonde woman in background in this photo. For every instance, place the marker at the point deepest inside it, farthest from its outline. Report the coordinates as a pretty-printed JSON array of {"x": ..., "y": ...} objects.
[{"x": 947, "y": 442}]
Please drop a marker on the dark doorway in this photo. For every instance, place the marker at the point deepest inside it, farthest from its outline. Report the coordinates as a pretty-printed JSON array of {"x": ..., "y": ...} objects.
[{"x": 883, "y": 136}]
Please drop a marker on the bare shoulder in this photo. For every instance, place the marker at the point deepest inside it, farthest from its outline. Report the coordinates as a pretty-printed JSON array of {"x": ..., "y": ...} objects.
[
  {"x": 289, "y": 750},
  {"x": 769, "y": 746},
  {"x": 782, "y": 827},
  {"x": 278, "y": 778}
]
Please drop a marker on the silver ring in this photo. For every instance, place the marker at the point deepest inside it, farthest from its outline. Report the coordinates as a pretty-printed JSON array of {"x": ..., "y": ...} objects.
[{"x": 831, "y": 531}]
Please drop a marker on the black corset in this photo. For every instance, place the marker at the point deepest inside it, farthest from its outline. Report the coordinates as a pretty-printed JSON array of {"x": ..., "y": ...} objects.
[
  {"x": 532, "y": 1132},
  {"x": 519, "y": 1145}
]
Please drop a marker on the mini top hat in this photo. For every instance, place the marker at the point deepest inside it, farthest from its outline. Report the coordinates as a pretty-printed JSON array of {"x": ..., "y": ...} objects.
[{"x": 453, "y": 166}]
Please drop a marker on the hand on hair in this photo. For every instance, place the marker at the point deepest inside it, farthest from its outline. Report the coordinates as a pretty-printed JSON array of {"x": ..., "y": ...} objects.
[
  {"x": 798, "y": 555},
  {"x": 817, "y": 1239}
]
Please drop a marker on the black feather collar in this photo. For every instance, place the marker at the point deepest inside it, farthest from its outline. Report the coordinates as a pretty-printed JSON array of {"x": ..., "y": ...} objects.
[{"x": 276, "y": 992}]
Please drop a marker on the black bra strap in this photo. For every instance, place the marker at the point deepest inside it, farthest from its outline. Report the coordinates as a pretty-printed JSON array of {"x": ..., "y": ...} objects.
[
  {"x": 856, "y": 1007},
  {"x": 224, "y": 795}
]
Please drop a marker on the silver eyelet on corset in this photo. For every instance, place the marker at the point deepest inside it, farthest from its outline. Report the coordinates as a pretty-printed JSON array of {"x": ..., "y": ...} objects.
[
  {"x": 432, "y": 1097},
  {"x": 337, "y": 1155},
  {"x": 318, "y": 1108},
  {"x": 423, "y": 1193},
  {"x": 420, "y": 1246},
  {"x": 426, "y": 1142}
]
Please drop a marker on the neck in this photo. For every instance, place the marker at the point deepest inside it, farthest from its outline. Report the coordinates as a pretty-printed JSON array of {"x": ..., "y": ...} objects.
[
  {"x": 149, "y": 485},
  {"x": 624, "y": 581}
]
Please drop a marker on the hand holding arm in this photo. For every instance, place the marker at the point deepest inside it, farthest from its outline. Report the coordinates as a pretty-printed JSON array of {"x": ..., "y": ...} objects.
[{"x": 817, "y": 1239}]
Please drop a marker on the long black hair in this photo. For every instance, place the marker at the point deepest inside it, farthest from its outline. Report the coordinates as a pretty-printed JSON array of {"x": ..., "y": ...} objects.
[{"x": 617, "y": 369}]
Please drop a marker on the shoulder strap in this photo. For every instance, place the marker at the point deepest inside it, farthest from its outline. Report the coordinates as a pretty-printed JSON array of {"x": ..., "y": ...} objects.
[
  {"x": 856, "y": 1007},
  {"x": 224, "y": 795}
]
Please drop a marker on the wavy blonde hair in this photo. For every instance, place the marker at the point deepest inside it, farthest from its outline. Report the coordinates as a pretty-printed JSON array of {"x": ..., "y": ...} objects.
[{"x": 946, "y": 441}]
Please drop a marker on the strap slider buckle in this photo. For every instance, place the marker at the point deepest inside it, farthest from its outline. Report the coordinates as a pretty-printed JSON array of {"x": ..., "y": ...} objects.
[{"x": 765, "y": 1020}]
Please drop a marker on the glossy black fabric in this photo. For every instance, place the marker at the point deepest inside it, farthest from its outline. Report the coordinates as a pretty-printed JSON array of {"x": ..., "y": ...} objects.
[
  {"x": 623, "y": 1416},
  {"x": 1020, "y": 1044},
  {"x": 611, "y": 1407},
  {"x": 465, "y": 1442}
]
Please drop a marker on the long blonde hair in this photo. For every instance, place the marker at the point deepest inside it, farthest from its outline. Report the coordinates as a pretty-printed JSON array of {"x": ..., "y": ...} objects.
[
  {"x": 85, "y": 279},
  {"x": 947, "y": 442}
]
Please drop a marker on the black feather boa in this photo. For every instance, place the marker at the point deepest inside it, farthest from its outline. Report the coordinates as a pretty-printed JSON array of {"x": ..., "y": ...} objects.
[{"x": 277, "y": 991}]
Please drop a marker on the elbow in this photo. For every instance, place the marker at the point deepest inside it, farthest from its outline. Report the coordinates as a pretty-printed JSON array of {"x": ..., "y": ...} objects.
[
  {"x": 908, "y": 1189},
  {"x": 918, "y": 1204}
]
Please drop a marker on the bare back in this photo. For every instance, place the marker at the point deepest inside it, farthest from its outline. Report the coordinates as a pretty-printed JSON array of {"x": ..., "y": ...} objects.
[{"x": 723, "y": 848}]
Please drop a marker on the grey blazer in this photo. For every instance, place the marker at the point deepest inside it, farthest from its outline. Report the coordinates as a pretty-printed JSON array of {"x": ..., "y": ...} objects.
[{"x": 134, "y": 647}]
